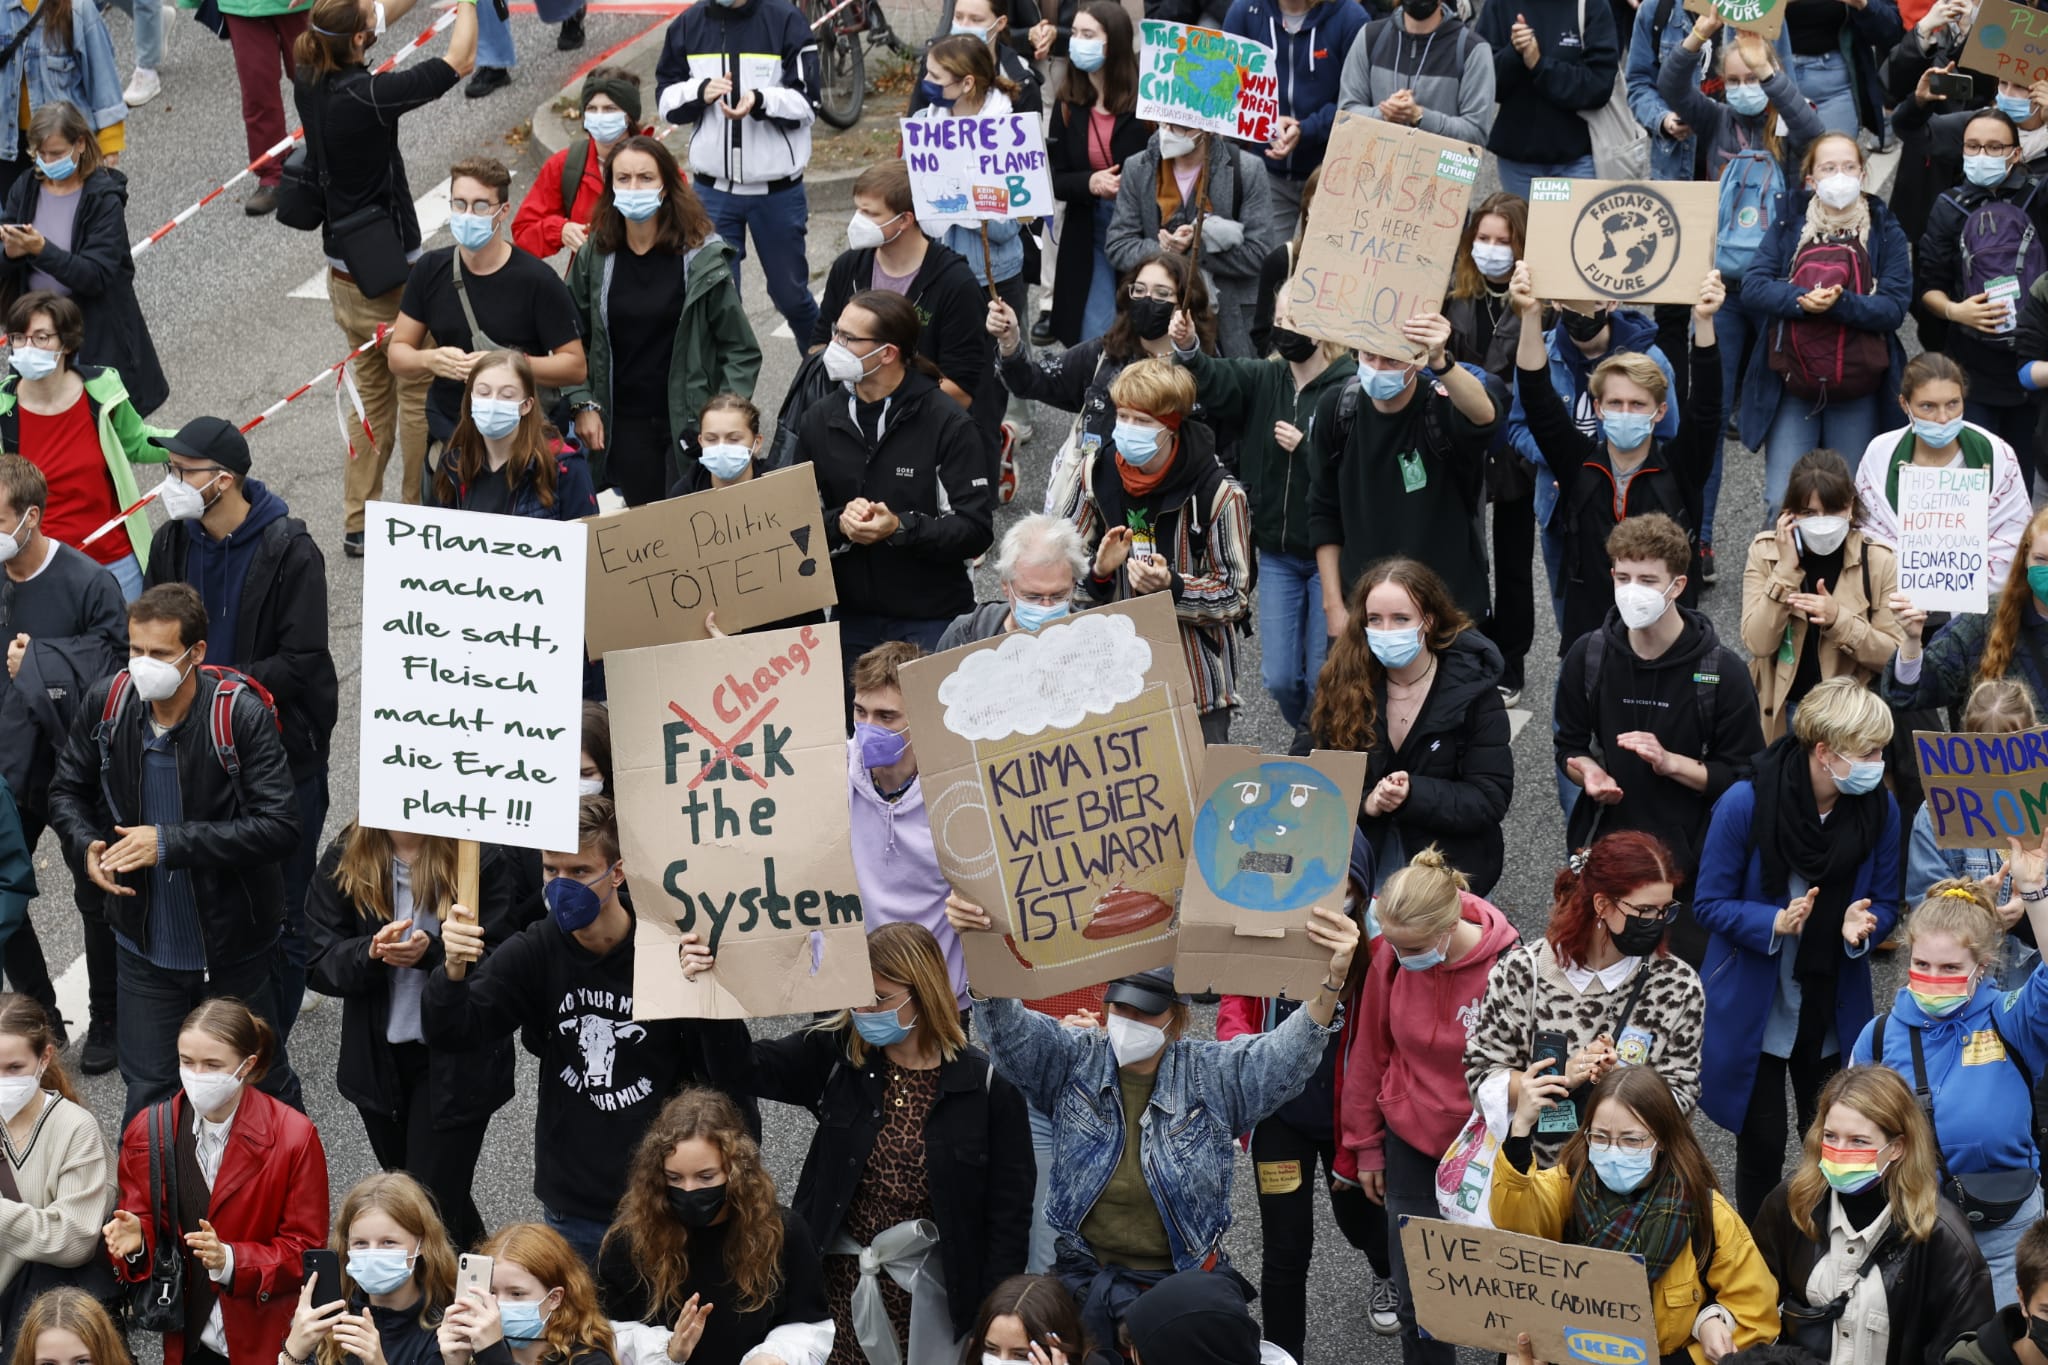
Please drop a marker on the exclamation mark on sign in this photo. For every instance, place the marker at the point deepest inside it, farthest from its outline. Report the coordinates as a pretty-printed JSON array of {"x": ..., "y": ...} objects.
[
  {"x": 802, "y": 536},
  {"x": 518, "y": 812}
]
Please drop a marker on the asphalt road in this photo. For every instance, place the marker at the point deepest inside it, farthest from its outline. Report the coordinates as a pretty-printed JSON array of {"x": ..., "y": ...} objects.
[{"x": 219, "y": 292}]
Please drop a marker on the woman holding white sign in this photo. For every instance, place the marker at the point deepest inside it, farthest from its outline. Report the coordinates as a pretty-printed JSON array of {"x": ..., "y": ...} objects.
[
  {"x": 2009, "y": 642},
  {"x": 1633, "y": 1179}
]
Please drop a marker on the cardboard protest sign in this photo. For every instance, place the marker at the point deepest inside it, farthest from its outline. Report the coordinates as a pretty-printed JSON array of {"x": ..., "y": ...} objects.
[
  {"x": 730, "y": 768},
  {"x": 1944, "y": 527},
  {"x": 1058, "y": 770},
  {"x": 1382, "y": 234},
  {"x": 754, "y": 553},
  {"x": 2009, "y": 41},
  {"x": 1765, "y": 18},
  {"x": 1631, "y": 241},
  {"x": 1206, "y": 79},
  {"x": 1479, "y": 1287},
  {"x": 472, "y": 675},
  {"x": 965, "y": 169},
  {"x": 1272, "y": 839},
  {"x": 1984, "y": 789}
]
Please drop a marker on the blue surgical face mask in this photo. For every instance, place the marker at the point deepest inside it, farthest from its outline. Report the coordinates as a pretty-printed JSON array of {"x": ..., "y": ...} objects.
[
  {"x": 2018, "y": 108},
  {"x": 880, "y": 1030},
  {"x": 605, "y": 125},
  {"x": 1422, "y": 961},
  {"x": 1747, "y": 100},
  {"x": 494, "y": 417},
  {"x": 1618, "y": 1170},
  {"x": 880, "y": 747},
  {"x": 1937, "y": 435},
  {"x": 1494, "y": 259},
  {"x": 726, "y": 462},
  {"x": 380, "y": 1271},
  {"x": 1395, "y": 648},
  {"x": 472, "y": 230},
  {"x": 573, "y": 904},
  {"x": 1138, "y": 445},
  {"x": 1628, "y": 430},
  {"x": 1385, "y": 385},
  {"x": 33, "y": 362},
  {"x": 57, "y": 170},
  {"x": 521, "y": 1321},
  {"x": 1861, "y": 779},
  {"x": 935, "y": 94},
  {"x": 1033, "y": 616},
  {"x": 961, "y": 30},
  {"x": 1087, "y": 54},
  {"x": 636, "y": 206},
  {"x": 1986, "y": 172}
]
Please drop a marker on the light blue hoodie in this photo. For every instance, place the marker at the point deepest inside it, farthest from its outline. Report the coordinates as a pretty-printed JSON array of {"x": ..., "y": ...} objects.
[{"x": 896, "y": 866}]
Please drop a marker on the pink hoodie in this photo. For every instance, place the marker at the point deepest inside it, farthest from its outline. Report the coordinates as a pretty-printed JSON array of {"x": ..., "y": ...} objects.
[{"x": 1406, "y": 1070}]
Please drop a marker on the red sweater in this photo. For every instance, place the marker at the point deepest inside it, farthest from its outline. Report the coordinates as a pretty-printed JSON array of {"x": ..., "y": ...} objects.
[{"x": 537, "y": 226}]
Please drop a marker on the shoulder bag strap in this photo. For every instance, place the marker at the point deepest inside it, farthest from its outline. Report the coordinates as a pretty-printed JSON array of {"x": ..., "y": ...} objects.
[
  {"x": 14, "y": 43},
  {"x": 1635, "y": 994},
  {"x": 478, "y": 339},
  {"x": 1925, "y": 1097}
]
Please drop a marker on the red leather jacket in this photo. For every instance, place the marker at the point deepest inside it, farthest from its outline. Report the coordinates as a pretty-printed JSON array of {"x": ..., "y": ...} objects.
[{"x": 269, "y": 1203}]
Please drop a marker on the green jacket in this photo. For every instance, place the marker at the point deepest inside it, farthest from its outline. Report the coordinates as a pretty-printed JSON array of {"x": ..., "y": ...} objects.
[
  {"x": 1252, "y": 395},
  {"x": 715, "y": 351},
  {"x": 124, "y": 440}
]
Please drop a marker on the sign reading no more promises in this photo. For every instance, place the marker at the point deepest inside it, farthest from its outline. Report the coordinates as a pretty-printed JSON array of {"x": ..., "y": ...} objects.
[
  {"x": 1984, "y": 789},
  {"x": 2008, "y": 41}
]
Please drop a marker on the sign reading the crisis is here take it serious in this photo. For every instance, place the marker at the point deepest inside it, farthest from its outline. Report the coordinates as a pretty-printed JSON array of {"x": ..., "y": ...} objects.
[
  {"x": 1206, "y": 80},
  {"x": 472, "y": 675}
]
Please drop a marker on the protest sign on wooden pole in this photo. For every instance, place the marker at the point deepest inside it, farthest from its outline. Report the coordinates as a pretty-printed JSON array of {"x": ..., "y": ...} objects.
[
  {"x": 1984, "y": 789},
  {"x": 1482, "y": 1287},
  {"x": 1628, "y": 241},
  {"x": 2008, "y": 41},
  {"x": 1205, "y": 80},
  {"x": 468, "y": 884},
  {"x": 1944, "y": 532},
  {"x": 970, "y": 170}
]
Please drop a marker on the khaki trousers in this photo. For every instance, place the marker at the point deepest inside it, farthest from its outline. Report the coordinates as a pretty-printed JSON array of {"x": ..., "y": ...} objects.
[{"x": 389, "y": 402}]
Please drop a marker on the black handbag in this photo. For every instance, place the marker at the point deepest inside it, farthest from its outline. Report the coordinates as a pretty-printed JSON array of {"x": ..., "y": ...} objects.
[
  {"x": 302, "y": 193},
  {"x": 368, "y": 243},
  {"x": 1812, "y": 1328},
  {"x": 158, "y": 1303},
  {"x": 1989, "y": 1199}
]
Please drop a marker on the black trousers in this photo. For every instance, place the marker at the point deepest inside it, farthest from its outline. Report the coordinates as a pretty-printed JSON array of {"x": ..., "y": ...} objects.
[
  {"x": 1284, "y": 1159},
  {"x": 442, "y": 1159},
  {"x": 636, "y": 458},
  {"x": 1512, "y": 626},
  {"x": 1760, "y": 1146}
]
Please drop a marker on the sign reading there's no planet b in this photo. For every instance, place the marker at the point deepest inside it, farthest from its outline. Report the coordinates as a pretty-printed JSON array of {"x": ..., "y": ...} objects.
[
  {"x": 1628, "y": 241},
  {"x": 969, "y": 169},
  {"x": 472, "y": 675},
  {"x": 1272, "y": 841},
  {"x": 2009, "y": 41}
]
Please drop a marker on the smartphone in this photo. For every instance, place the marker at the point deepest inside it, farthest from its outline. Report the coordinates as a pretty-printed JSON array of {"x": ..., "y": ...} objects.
[
  {"x": 1952, "y": 85},
  {"x": 472, "y": 1272},
  {"x": 1550, "y": 1043},
  {"x": 327, "y": 1266}
]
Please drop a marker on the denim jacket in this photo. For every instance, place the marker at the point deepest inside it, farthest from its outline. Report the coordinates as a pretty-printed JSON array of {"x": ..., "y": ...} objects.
[
  {"x": 1670, "y": 159},
  {"x": 1205, "y": 1094},
  {"x": 86, "y": 76}
]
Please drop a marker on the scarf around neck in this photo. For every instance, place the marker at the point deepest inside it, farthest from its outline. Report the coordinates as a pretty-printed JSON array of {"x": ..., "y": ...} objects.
[
  {"x": 1823, "y": 222},
  {"x": 1654, "y": 1221},
  {"x": 1790, "y": 836}
]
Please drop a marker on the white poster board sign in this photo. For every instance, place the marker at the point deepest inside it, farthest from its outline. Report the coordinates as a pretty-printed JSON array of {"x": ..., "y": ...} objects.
[
  {"x": 472, "y": 675},
  {"x": 966, "y": 170},
  {"x": 1944, "y": 533},
  {"x": 1207, "y": 80}
]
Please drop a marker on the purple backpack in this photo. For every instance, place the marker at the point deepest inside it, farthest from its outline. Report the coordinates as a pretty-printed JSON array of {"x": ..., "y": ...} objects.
[{"x": 1999, "y": 238}]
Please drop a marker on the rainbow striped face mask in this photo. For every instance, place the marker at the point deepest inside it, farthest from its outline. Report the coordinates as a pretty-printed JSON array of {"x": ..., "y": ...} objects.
[
  {"x": 1940, "y": 995},
  {"x": 1849, "y": 1169}
]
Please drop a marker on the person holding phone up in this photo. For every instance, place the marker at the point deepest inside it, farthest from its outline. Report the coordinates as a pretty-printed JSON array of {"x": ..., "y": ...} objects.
[
  {"x": 540, "y": 1307},
  {"x": 398, "y": 1278}
]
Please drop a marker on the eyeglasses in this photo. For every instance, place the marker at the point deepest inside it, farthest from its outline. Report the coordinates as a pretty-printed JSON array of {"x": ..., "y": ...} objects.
[
  {"x": 882, "y": 1003},
  {"x": 1045, "y": 599},
  {"x": 1987, "y": 148},
  {"x": 1627, "y": 1142},
  {"x": 1825, "y": 169},
  {"x": 1651, "y": 911},
  {"x": 46, "y": 341},
  {"x": 186, "y": 471},
  {"x": 845, "y": 338},
  {"x": 484, "y": 206},
  {"x": 1161, "y": 292}
]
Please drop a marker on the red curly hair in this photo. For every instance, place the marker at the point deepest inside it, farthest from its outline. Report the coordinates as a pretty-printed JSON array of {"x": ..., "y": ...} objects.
[{"x": 1614, "y": 867}]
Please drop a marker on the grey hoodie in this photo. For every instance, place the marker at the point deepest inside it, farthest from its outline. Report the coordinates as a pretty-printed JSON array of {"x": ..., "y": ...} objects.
[{"x": 1450, "y": 71}]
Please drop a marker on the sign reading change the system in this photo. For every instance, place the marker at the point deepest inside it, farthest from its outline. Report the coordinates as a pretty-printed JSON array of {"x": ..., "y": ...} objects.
[
  {"x": 1482, "y": 1287},
  {"x": 2009, "y": 41},
  {"x": 1984, "y": 789},
  {"x": 472, "y": 675},
  {"x": 1382, "y": 234},
  {"x": 1630, "y": 241},
  {"x": 1207, "y": 80},
  {"x": 970, "y": 168}
]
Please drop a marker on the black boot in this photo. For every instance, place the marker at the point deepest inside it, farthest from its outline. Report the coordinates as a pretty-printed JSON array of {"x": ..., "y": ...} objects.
[{"x": 571, "y": 36}]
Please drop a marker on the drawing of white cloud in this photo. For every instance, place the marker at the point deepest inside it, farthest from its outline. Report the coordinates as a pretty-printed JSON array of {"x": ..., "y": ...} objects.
[{"x": 1085, "y": 667}]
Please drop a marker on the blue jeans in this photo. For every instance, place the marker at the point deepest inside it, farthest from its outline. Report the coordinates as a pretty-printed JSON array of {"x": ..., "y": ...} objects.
[
  {"x": 149, "y": 30},
  {"x": 586, "y": 1235},
  {"x": 1100, "y": 310},
  {"x": 154, "y": 1003},
  {"x": 1516, "y": 175},
  {"x": 1847, "y": 426},
  {"x": 1296, "y": 635},
  {"x": 1736, "y": 331},
  {"x": 494, "y": 39},
  {"x": 777, "y": 219},
  {"x": 1998, "y": 1244},
  {"x": 1828, "y": 84},
  {"x": 128, "y": 573},
  {"x": 298, "y": 879}
]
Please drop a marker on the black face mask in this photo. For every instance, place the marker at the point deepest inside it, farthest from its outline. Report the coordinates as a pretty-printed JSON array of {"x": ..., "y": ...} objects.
[
  {"x": 2037, "y": 1332},
  {"x": 1639, "y": 936},
  {"x": 1151, "y": 317},
  {"x": 1293, "y": 346},
  {"x": 1581, "y": 327},
  {"x": 697, "y": 1208},
  {"x": 1421, "y": 9}
]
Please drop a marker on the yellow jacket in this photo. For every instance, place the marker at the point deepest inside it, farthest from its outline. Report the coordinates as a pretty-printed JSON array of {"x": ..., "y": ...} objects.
[{"x": 1538, "y": 1204}]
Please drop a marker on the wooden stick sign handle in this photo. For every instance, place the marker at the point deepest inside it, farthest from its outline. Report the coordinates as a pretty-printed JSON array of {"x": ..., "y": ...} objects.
[
  {"x": 467, "y": 856},
  {"x": 988, "y": 264}
]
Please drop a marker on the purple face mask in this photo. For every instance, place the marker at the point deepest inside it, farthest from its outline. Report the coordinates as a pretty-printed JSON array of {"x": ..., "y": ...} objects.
[{"x": 880, "y": 748}]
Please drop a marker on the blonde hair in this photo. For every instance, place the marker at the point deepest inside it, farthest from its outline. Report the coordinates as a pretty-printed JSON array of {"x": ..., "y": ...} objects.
[
  {"x": 578, "y": 1327},
  {"x": 1156, "y": 386},
  {"x": 1423, "y": 896},
  {"x": 2001, "y": 706},
  {"x": 1845, "y": 715},
  {"x": 1633, "y": 366},
  {"x": 66, "y": 1309},
  {"x": 1880, "y": 1095},
  {"x": 405, "y": 1202},
  {"x": 363, "y": 874},
  {"x": 908, "y": 953},
  {"x": 1959, "y": 907}
]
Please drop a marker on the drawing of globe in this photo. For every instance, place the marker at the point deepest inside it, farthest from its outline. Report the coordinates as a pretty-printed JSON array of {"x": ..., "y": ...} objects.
[
  {"x": 1276, "y": 836},
  {"x": 1215, "y": 77}
]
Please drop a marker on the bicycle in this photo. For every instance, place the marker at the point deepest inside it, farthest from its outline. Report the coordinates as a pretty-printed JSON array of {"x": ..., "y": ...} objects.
[{"x": 845, "y": 28}]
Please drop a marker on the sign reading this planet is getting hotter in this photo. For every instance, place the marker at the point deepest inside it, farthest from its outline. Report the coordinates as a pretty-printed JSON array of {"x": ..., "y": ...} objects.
[{"x": 1626, "y": 241}]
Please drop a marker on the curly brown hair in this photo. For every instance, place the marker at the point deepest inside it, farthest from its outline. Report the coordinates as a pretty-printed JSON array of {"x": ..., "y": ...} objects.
[
  {"x": 2015, "y": 600},
  {"x": 578, "y": 1327},
  {"x": 1346, "y": 714},
  {"x": 659, "y": 1243}
]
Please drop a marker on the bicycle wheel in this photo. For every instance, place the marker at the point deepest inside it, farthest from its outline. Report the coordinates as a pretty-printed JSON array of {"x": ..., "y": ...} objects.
[{"x": 842, "y": 71}]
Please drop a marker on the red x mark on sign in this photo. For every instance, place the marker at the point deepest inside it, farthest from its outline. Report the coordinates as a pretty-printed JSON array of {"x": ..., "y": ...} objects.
[{"x": 723, "y": 749}]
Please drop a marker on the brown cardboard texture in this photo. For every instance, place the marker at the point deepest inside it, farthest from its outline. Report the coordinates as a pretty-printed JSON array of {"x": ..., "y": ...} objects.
[
  {"x": 730, "y": 768},
  {"x": 2009, "y": 41},
  {"x": 1480, "y": 1287},
  {"x": 1058, "y": 770},
  {"x": 1272, "y": 839},
  {"x": 1630, "y": 241},
  {"x": 1765, "y": 18},
  {"x": 1382, "y": 234},
  {"x": 754, "y": 553},
  {"x": 1984, "y": 789}
]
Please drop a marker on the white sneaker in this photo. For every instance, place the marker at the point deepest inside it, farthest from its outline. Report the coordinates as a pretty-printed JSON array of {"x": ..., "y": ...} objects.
[
  {"x": 1382, "y": 1307},
  {"x": 310, "y": 1001},
  {"x": 143, "y": 87}
]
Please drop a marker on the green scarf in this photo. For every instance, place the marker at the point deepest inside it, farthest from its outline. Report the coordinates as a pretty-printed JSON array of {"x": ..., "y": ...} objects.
[
  {"x": 1653, "y": 1221},
  {"x": 1976, "y": 455}
]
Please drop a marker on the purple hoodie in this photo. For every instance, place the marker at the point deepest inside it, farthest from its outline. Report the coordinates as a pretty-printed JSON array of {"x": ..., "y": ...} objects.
[{"x": 895, "y": 865}]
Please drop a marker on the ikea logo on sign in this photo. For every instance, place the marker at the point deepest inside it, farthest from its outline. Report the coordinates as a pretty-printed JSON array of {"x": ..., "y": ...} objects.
[{"x": 1604, "y": 1348}]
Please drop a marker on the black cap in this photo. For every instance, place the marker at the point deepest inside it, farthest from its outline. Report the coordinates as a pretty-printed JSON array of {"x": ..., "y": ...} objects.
[
  {"x": 213, "y": 439},
  {"x": 1148, "y": 992}
]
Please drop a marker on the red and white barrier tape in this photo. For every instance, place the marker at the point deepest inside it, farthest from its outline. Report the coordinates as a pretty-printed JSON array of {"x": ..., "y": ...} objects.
[
  {"x": 343, "y": 382},
  {"x": 443, "y": 21}
]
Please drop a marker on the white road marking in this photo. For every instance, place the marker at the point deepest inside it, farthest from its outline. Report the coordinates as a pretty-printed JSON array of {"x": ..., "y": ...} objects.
[
  {"x": 71, "y": 996},
  {"x": 1517, "y": 718},
  {"x": 432, "y": 208},
  {"x": 782, "y": 331}
]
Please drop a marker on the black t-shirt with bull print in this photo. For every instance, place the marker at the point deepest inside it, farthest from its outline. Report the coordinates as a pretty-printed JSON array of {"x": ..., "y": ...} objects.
[{"x": 603, "y": 1076}]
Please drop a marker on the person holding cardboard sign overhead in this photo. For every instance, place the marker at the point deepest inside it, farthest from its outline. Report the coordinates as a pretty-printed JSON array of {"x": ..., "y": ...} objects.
[{"x": 1633, "y": 1179}]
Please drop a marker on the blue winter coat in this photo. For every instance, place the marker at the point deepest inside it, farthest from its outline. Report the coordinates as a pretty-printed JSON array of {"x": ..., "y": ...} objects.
[
  {"x": 1770, "y": 295},
  {"x": 1569, "y": 371},
  {"x": 1309, "y": 65},
  {"x": 1740, "y": 974}
]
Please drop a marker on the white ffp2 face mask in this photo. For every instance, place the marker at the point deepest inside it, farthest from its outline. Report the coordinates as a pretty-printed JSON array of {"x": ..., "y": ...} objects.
[
  {"x": 1640, "y": 607},
  {"x": 16, "y": 1092},
  {"x": 1133, "y": 1040},
  {"x": 154, "y": 679}
]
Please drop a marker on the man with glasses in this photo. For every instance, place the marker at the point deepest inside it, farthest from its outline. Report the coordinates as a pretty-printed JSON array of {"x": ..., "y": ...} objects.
[
  {"x": 1040, "y": 561},
  {"x": 264, "y": 583}
]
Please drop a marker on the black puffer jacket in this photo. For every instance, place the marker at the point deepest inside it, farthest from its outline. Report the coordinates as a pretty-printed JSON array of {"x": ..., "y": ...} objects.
[{"x": 235, "y": 834}]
